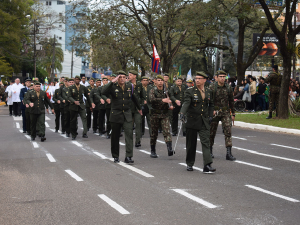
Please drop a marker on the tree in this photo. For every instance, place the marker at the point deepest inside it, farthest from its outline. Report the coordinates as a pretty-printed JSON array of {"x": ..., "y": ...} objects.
[
  {"x": 5, "y": 68},
  {"x": 286, "y": 34}
]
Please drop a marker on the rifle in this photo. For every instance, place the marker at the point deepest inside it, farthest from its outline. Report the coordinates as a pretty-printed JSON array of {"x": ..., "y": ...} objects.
[{"x": 166, "y": 93}]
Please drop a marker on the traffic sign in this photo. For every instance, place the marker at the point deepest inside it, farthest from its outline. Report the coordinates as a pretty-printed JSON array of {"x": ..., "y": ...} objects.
[{"x": 298, "y": 50}]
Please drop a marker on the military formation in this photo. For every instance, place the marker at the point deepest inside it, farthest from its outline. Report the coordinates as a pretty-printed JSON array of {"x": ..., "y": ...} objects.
[{"x": 120, "y": 106}]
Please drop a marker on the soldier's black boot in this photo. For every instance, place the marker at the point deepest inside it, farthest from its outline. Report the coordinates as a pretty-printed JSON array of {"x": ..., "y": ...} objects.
[
  {"x": 270, "y": 116},
  {"x": 153, "y": 152},
  {"x": 169, "y": 146},
  {"x": 229, "y": 156},
  {"x": 211, "y": 153}
]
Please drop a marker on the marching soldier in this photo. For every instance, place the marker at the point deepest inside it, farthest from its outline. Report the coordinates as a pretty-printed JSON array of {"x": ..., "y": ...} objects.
[
  {"x": 223, "y": 104},
  {"x": 168, "y": 86},
  {"x": 26, "y": 122},
  {"x": 97, "y": 102},
  {"x": 68, "y": 83},
  {"x": 159, "y": 116},
  {"x": 274, "y": 78},
  {"x": 27, "y": 111},
  {"x": 57, "y": 108},
  {"x": 121, "y": 95},
  {"x": 145, "y": 107},
  {"x": 139, "y": 94},
  {"x": 189, "y": 83},
  {"x": 107, "y": 100},
  {"x": 75, "y": 96},
  {"x": 197, "y": 110},
  {"x": 37, "y": 100},
  {"x": 88, "y": 107},
  {"x": 177, "y": 96}
]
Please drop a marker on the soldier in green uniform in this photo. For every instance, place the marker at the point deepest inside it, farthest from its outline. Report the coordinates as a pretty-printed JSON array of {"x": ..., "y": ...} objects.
[
  {"x": 68, "y": 82},
  {"x": 88, "y": 107},
  {"x": 57, "y": 102},
  {"x": 139, "y": 94},
  {"x": 97, "y": 104},
  {"x": 145, "y": 108},
  {"x": 224, "y": 106},
  {"x": 159, "y": 116},
  {"x": 107, "y": 100},
  {"x": 121, "y": 95},
  {"x": 177, "y": 96},
  {"x": 75, "y": 96},
  {"x": 197, "y": 110},
  {"x": 189, "y": 83},
  {"x": 168, "y": 86},
  {"x": 27, "y": 111},
  {"x": 37, "y": 100},
  {"x": 274, "y": 78}
]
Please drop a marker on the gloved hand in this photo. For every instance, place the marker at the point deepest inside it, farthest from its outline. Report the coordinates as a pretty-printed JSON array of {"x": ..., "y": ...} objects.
[
  {"x": 183, "y": 118},
  {"x": 209, "y": 120}
]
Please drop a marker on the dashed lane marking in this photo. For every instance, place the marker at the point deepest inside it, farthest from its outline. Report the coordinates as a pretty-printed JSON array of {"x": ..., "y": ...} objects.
[
  {"x": 284, "y": 146},
  {"x": 161, "y": 141},
  {"x": 27, "y": 136},
  {"x": 35, "y": 145},
  {"x": 199, "y": 152},
  {"x": 194, "y": 198},
  {"x": 145, "y": 152},
  {"x": 17, "y": 117},
  {"x": 121, "y": 143},
  {"x": 74, "y": 175},
  {"x": 46, "y": 124},
  {"x": 114, "y": 205},
  {"x": 21, "y": 131},
  {"x": 272, "y": 193},
  {"x": 50, "y": 157},
  {"x": 147, "y": 128},
  {"x": 18, "y": 125},
  {"x": 254, "y": 165},
  {"x": 268, "y": 155},
  {"x": 77, "y": 143},
  {"x": 239, "y": 138},
  {"x": 47, "y": 118},
  {"x": 194, "y": 167},
  {"x": 100, "y": 155}
]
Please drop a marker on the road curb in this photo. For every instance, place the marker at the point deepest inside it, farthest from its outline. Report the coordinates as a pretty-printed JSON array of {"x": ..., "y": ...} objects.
[{"x": 255, "y": 126}]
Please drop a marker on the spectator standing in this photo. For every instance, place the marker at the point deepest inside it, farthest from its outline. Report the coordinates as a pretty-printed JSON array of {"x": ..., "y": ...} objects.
[
  {"x": 16, "y": 88},
  {"x": 261, "y": 88},
  {"x": 8, "y": 91},
  {"x": 252, "y": 92},
  {"x": 84, "y": 82}
]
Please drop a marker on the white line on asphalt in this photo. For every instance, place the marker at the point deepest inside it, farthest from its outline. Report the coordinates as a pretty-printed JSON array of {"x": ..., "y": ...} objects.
[
  {"x": 50, "y": 157},
  {"x": 133, "y": 169},
  {"x": 250, "y": 164},
  {"x": 199, "y": 152},
  {"x": 284, "y": 146},
  {"x": 17, "y": 117},
  {"x": 77, "y": 143},
  {"x": 272, "y": 193},
  {"x": 46, "y": 124},
  {"x": 113, "y": 204},
  {"x": 194, "y": 198},
  {"x": 121, "y": 143},
  {"x": 263, "y": 154},
  {"x": 147, "y": 128},
  {"x": 52, "y": 130},
  {"x": 195, "y": 168},
  {"x": 35, "y": 145},
  {"x": 27, "y": 136},
  {"x": 18, "y": 125},
  {"x": 239, "y": 138},
  {"x": 161, "y": 141},
  {"x": 100, "y": 155},
  {"x": 74, "y": 175},
  {"x": 21, "y": 131},
  {"x": 47, "y": 118},
  {"x": 145, "y": 152}
]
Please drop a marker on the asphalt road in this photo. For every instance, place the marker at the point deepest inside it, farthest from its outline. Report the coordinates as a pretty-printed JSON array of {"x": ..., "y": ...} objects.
[{"x": 61, "y": 181}]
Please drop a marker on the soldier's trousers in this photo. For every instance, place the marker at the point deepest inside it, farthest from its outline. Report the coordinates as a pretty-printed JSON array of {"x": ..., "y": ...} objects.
[
  {"x": 102, "y": 120},
  {"x": 59, "y": 115},
  {"x": 88, "y": 117},
  {"x": 67, "y": 120},
  {"x": 95, "y": 120},
  {"x": 138, "y": 125},
  {"x": 165, "y": 125},
  {"x": 273, "y": 98},
  {"x": 108, "y": 126},
  {"x": 147, "y": 115},
  {"x": 25, "y": 128},
  {"x": 28, "y": 122},
  {"x": 191, "y": 145},
  {"x": 73, "y": 121},
  {"x": 226, "y": 125},
  {"x": 40, "y": 120},
  {"x": 115, "y": 136}
]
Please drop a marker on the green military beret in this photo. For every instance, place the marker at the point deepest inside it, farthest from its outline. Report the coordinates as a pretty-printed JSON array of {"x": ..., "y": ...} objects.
[
  {"x": 133, "y": 72},
  {"x": 180, "y": 77},
  {"x": 120, "y": 72},
  {"x": 93, "y": 79},
  {"x": 77, "y": 77},
  {"x": 201, "y": 73},
  {"x": 70, "y": 79},
  {"x": 67, "y": 78},
  {"x": 145, "y": 78},
  {"x": 61, "y": 83},
  {"x": 166, "y": 74},
  {"x": 221, "y": 72},
  {"x": 189, "y": 81},
  {"x": 113, "y": 75},
  {"x": 37, "y": 83},
  {"x": 98, "y": 80},
  {"x": 159, "y": 77}
]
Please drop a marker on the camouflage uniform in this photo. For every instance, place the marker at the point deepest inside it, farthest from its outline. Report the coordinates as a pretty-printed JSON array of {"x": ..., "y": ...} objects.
[
  {"x": 275, "y": 82},
  {"x": 159, "y": 115},
  {"x": 224, "y": 103}
]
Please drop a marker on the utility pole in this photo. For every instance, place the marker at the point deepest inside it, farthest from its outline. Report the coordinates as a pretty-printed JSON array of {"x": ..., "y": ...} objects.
[
  {"x": 53, "y": 60},
  {"x": 34, "y": 47},
  {"x": 72, "y": 62}
]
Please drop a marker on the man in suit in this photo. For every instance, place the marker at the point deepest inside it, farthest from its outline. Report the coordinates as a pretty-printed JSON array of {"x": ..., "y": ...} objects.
[
  {"x": 64, "y": 93},
  {"x": 197, "y": 111},
  {"x": 57, "y": 108},
  {"x": 97, "y": 104},
  {"x": 37, "y": 101},
  {"x": 121, "y": 116},
  {"x": 75, "y": 96},
  {"x": 88, "y": 107},
  {"x": 26, "y": 121},
  {"x": 107, "y": 100},
  {"x": 145, "y": 107}
]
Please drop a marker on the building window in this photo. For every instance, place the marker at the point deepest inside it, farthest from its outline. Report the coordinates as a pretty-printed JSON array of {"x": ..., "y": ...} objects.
[
  {"x": 60, "y": 14},
  {"x": 61, "y": 2},
  {"x": 59, "y": 38},
  {"x": 48, "y": 2},
  {"x": 60, "y": 26}
]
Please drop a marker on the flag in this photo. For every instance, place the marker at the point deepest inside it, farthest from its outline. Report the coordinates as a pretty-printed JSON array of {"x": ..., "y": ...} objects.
[
  {"x": 189, "y": 75},
  {"x": 155, "y": 61},
  {"x": 179, "y": 72}
]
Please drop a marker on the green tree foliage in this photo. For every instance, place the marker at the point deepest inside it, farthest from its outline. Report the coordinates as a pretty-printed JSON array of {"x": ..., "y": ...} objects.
[{"x": 5, "y": 68}]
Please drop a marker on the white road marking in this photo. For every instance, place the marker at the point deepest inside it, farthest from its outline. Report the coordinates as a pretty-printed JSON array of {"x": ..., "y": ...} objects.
[
  {"x": 263, "y": 154},
  {"x": 145, "y": 152},
  {"x": 113, "y": 204},
  {"x": 18, "y": 125},
  {"x": 77, "y": 143},
  {"x": 284, "y": 146},
  {"x": 239, "y": 138},
  {"x": 121, "y": 143},
  {"x": 35, "y": 145},
  {"x": 100, "y": 155},
  {"x": 194, "y": 198},
  {"x": 161, "y": 141},
  {"x": 272, "y": 193},
  {"x": 250, "y": 164},
  {"x": 47, "y": 118},
  {"x": 50, "y": 157},
  {"x": 46, "y": 124},
  {"x": 21, "y": 131},
  {"x": 74, "y": 175},
  {"x": 17, "y": 117},
  {"x": 199, "y": 152},
  {"x": 52, "y": 130},
  {"x": 147, "y": 128},
  {"x": 133, "y": 169},
  {"x": 27, "y": 136},
  {"x": 194, "y": 167}
]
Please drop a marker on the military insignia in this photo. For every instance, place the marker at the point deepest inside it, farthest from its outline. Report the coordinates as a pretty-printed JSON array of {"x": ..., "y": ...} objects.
[
  {"x": 32, "y": 96},
  {"x": 116, "y": 90},
  {"x": 73, "y": 90}
]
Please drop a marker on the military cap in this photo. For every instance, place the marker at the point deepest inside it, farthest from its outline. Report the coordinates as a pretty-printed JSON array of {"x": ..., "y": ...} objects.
[
  {"x": 180, "y": 77},
  {"x": 77, "y": 77},
  {"x": 134, "y": 72},
  {"x": 221, "y": 72},
  {"x": 67, "y": 78},
  {"x": 61, "y": 83},
  {"x": 31, "y": 84},
  {"x": 93, "y": 79},
  {"x": 70, "y": 79},
  {"x": 104, "y": 78},
  {"x": 113, "y": 75},
  {"x": 189, "y": 81},
  {"x": 121, "y": 72},
  {"x": 37, "y": 83},
  {"x": 28, "y": 79},
  {"x": 145, "y": 78},
  {"x": 166, "y": 74},
  {"x": 201, "y": 73},
  {"x": 98, "y": 80},
  {"x": 159, "y": 77}
]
